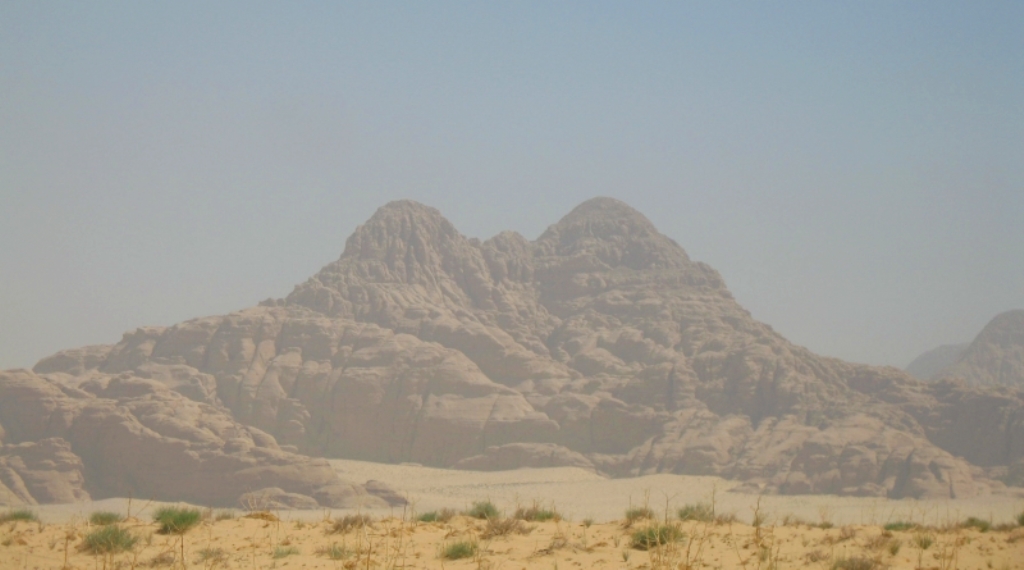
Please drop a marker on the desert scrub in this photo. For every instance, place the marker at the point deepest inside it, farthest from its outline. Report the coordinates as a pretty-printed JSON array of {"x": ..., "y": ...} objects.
[
  {"x": 335, "y": 551},
  {"x": 702, "y": 512},
  {"x": 444, "y": 515},
  {"x": 457, "y": 550},
  {"x": 855, "y": 563},
  {"x": 503, "y": 527},
  {"x": 109, "y": 539},
  {"x": 536, "y": 514},
  {"x": 212, "y": 555},
  {"x": 638, "y": 513},
  {"x": 176, "y": 520},
  {"x": 923, "y": 541},
  {"x": 282, "y": 551},
  {"x": 483, "y": 510},
  {"x": 899, "y": 526},
  {"x": 104, "y": 518},
  {"x": 18, "y": 515},
  {"x": 655, "y": 535},
  {"x": 350, "y": 522},
  {"x": 980, "y": 524}
]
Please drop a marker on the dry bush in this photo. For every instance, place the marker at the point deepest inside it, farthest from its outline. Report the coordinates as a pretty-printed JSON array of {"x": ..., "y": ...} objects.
[
  {"x": 846, "y": 533},
  {"x": 654, "y": 536},
  {"x": 856, "y": 563},
  {"x": 335, "y": 551},
  {"x": 483, "y": 510},
  {"x": 444, "y": 515},
  {"x": 536, "y": 514},
  {"x": 702, "y": 512},
  {"x": 635, "y": 514},
  {"x": 504, "y": 527},
  {"x": 793, "y": 520},
  {"x": 350, "y": 522},
  {"x": 725, "y": 518},
  {"x": 262, "y": 515}
]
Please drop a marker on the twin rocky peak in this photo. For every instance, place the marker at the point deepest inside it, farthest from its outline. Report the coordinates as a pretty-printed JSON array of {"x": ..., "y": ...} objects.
[{"x": 599, "y": 345}]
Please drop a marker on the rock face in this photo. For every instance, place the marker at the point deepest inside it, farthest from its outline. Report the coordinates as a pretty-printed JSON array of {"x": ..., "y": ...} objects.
[
  {"x": 126, "y": 435},
  {"x": 930, "y": 364},
  {"x": 995, "y": 357},
  {"x": 600, "y": 345}
]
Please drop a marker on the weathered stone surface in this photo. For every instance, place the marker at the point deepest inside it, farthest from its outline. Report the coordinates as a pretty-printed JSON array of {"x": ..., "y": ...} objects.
[
  {"x": 134, "y": 436},
  {"x": 929, "y": 364},
  {"x": 45, "y": 471},
  {"x": 995, "y": 357},
  {"x": 600, "y": 344}
]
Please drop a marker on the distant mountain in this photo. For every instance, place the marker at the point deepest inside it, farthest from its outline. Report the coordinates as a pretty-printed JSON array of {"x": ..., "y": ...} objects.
[
  {"x": 995, "y": 357},
  {"x": 928, "y": 365},
  {"x": 601, "y": 345}
]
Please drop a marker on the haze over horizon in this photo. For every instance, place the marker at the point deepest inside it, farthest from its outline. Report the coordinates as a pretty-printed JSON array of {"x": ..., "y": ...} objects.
[{"x": 853, "y": 171}]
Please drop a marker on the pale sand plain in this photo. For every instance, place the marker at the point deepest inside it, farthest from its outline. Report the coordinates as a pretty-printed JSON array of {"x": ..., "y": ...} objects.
[{"x": 591, "y": 534}]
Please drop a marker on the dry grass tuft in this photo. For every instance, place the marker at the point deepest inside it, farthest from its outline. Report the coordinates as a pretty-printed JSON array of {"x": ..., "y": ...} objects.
[
  {"x": 444, "y": 515},
  {"x": 260, "y": 515},
  {"x": 504, "y": 527},
  {"x": 537, "y": 514},
  {"x": 351, "y": 522}
]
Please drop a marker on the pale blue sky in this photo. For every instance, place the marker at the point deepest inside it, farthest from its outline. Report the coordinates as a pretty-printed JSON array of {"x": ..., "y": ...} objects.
[{"x": 855, "y": 170}]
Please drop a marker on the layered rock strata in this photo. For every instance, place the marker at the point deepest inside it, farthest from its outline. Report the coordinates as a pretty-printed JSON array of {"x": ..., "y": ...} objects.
[{"x": 601, "y": 345}]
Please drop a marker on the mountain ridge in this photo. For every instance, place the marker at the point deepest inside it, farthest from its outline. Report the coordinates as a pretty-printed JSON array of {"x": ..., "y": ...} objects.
[
  {"x": 599, "y": 344},
  {"x": 994, "y": 358}
]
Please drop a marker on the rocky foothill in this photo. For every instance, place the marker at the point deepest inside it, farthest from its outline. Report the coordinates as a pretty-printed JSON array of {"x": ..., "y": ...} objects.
[{"x": 599, "y": 345}]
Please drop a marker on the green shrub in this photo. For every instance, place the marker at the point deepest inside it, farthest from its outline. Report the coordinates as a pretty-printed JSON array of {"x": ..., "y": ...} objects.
[
  {"x": 176, "y": 520},
  {"x": 638, "y": 513},
  {"x": 444, "y": 515},
  {"x": 334, "y": 551},
  {"x": 483, "y": 510},
  {"x": 974, "y": 522},
  {"x": 900, "y": 526},
  {"x": 655, "y": 535},
  {"x": 702, "y": 512},
  {"x": 855, "y": 563},
  {"x": 104, "y": 518},
  {"x": 536, "y": 514},
  {"x": 457, "y": 550},
  {"x": 1020, "y": 519},
  {"x": 109, "y": 539},
  {"x": 18, "y": 515}
]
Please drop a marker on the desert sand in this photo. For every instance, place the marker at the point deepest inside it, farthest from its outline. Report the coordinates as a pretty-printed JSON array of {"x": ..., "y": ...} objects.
[{"x": 801, "y": 531}]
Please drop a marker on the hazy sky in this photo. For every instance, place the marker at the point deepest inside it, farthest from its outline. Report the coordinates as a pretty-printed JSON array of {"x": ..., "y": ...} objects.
[{"x": 855, "y": 170}]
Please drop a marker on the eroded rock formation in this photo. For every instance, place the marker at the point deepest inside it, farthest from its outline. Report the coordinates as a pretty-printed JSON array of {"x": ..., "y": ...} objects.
[
  {"x": 601, "y": 344},
  {"x": 994, "y": 358}
]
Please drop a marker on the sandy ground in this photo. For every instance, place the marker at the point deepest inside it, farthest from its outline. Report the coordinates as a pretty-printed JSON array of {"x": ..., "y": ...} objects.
[
  {"x": 580, "y": 494},
  {"x": 591, "y": 533},
  {"x": 244, "y": 542}
]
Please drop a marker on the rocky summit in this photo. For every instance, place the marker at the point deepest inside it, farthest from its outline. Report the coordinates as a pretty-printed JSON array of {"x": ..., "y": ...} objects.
[
  {"x": 599, "y": 345},
  {"x": 994, "y": 358}
]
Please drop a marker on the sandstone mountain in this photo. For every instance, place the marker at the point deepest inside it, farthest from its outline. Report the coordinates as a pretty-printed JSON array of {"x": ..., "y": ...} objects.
[
  {"x": 601, "y": 345},
  {"x": 929, "y": 364},
  {"x": 994, "y": 358}
]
